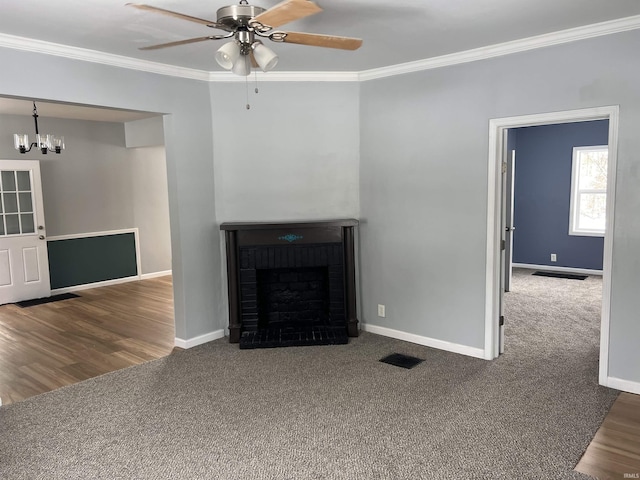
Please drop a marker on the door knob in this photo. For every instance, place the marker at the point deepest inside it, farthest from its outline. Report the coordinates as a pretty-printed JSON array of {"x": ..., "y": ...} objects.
[
  {"x": 40, "y": 227},
  {"x": 41, "y": 237}
]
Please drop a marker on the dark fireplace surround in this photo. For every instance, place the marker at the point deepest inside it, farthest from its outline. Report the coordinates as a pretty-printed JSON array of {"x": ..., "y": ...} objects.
[{"x": 291, "y": 284}]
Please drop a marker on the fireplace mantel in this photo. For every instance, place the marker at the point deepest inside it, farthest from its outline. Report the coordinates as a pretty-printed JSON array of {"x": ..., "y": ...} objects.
[{"x": 271, "y": 241}]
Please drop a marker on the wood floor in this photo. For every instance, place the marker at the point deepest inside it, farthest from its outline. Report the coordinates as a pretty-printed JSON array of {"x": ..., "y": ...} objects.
[
  {"x": 48, "y": 346},
  {"x": 614, "y": 452},
  {"x": 56, "y": 344}
]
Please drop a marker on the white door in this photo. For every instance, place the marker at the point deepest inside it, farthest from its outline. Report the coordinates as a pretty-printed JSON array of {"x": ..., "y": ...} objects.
[
  {"x": 24, "y": 263},
  {"x": 509, "y": 227},
  {"x": 505, "y": 266}
]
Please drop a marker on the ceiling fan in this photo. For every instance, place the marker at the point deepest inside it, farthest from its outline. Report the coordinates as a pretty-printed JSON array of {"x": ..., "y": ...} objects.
[{"x": 246, "y": 24}]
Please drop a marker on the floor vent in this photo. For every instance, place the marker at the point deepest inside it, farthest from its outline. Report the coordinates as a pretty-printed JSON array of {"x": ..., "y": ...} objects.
[
  {"x": 401, "y": 360},
  {"x": 570, "y": 276}
]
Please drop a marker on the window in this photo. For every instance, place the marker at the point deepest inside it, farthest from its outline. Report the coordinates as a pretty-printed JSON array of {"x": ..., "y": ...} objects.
[{"x": 589, "y": 191}]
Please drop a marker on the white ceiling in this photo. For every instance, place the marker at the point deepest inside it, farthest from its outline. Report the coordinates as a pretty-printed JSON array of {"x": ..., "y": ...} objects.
[{"x": 394, "y": 32}]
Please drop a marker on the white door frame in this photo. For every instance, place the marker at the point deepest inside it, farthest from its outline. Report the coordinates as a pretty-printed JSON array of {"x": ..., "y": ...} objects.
[{"x": 494, "y": 202}]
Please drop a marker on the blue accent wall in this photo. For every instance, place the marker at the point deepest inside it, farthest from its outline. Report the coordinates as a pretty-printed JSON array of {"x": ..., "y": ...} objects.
[{"x": 543, "y": 191}]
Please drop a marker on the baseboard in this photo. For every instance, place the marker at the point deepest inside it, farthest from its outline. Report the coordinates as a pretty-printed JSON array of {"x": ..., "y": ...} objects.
[
  {"x": 106, "y": 283},
  {"x": 199, "y": 340},
  {"x": 548, "y": 268},
  {"x": 87, "y": 286},
  {"x": 426, "y": 341},
  {"x": 147, "y": 276},
  {"x": 624, "y": 385}
]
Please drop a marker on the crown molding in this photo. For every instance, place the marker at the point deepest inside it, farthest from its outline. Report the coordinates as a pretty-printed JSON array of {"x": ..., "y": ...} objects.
[
  {"x": 507, "y": 48},
  {"x": 288, "y": 77},
  {"x": 84, "y": 54},
  {"x": 531, "y": 43}
]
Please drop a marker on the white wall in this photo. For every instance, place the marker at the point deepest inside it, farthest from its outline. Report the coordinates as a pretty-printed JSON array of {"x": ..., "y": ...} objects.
[
  {"x": 96, "y": 184},
  {"x": 424, "y": 175}
]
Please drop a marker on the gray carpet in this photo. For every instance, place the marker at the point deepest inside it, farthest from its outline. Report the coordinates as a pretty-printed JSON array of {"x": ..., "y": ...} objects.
[{"x": 334, "y": 412}]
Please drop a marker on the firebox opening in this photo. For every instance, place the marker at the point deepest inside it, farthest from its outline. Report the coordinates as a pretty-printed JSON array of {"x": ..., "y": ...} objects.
[{"x": 291, "y": 299}]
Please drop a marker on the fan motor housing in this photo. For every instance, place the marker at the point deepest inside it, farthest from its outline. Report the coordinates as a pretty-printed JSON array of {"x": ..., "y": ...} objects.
[{"x": 238, "y": 15}]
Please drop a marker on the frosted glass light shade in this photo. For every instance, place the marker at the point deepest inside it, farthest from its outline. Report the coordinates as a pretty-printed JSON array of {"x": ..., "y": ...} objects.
[
  {"x": 227, "y": 55},
  {"x": 241, "y": 66},
  {"x": 265, "y": 57}
]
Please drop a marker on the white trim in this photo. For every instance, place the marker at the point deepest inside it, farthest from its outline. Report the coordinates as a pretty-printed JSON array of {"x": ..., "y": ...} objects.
[
  {"x": 549, "y": 268},
  {"x": 426, "y": 341},
  {"x": 87, "y": 286},
  {"x": 93, "y": 234},
  {"x": 147, "y": 276},
  {"x": 496, "y": 129},
  {"x": 607, "y": 260},
  {"x": 228, "y": 77},
  {"x": 507, "y": 48},
  {"x": 93, "y": 56},
  {"x": 620, "y": 384},
  {"x": 575, "y": 192},
  {"x": 136, "y": 241},
  {"x": 199, "y": 340},
  {"x": 106, "y": 283}
]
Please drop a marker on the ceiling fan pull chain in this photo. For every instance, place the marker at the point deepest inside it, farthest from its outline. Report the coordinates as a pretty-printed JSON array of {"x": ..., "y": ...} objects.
[
  {"x": 246, "y": 82},
  {"x": 255, "y": 72}
]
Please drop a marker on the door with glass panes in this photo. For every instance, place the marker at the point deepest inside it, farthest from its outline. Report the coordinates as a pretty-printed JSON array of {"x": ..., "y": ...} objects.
[{"x": 24, "y": 264}]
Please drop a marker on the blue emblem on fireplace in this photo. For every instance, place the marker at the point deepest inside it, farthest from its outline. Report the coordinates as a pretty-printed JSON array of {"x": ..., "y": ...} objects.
[{"x": 290, "y": 237}]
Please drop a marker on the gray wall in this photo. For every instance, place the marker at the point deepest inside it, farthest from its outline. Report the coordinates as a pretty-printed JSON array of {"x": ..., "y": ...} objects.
[
  {"x": 293, "y": 156},
  {"x": 423, "y": 173},
  {"x": 424, "y": 179},
  {"x": 97, "y": 184},
  {"x": 187, "y": 127},
  {"x": 150, "y": 205}
]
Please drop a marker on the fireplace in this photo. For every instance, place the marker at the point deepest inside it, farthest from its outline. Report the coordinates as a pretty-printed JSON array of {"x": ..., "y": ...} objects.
[{"x": 291, "y": 284}]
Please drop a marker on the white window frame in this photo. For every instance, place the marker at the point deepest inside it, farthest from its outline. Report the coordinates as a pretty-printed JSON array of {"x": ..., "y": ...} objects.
[{"x": 574, "y": 202}]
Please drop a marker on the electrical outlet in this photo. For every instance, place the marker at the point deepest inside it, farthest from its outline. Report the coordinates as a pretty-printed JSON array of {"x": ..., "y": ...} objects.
[
  {"x": 381, "y": 312},
  {"x": 554, "y": 258}
]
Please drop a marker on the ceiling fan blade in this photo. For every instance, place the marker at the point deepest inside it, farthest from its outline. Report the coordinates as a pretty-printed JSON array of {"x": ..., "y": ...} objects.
[
  {"x": 189, "y": 18},
  {"x": 286, "y": 12},
  {"x": 328, "y": 41},
  {"x": 179, "y": 42}
]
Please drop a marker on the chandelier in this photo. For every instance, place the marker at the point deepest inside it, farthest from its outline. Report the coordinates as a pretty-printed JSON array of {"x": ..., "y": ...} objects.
[{"x": 46, "y": 143}]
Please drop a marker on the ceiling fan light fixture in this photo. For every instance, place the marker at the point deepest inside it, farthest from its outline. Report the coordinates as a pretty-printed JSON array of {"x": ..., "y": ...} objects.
[
  {"x": 227, "y": 55},
  {"x": 241, "y": 66},
  {"x": 266, "y": 58}
]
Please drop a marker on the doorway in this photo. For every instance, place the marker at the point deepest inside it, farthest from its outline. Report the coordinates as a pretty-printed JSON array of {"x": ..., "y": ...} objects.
[{"x": 496, "y": 231}]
